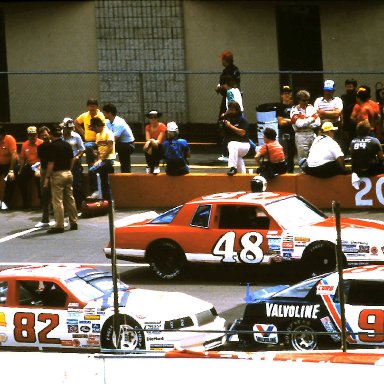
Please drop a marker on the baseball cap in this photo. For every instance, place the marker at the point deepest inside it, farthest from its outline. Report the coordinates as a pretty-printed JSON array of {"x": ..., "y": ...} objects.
[
  {"x": 153, "y": 113},
  {"x": 328, "y": 126},
  {"x": 172, "y": 127},
  {"x": 285, "y": 88},
  {"x": 32, "y": 130},
  {"x": 329, "y": 85},
  {"x": 68, "y": 122}
]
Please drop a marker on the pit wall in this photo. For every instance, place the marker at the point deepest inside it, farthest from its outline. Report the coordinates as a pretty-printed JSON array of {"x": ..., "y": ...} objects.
[{"x": 162, "y": 191}]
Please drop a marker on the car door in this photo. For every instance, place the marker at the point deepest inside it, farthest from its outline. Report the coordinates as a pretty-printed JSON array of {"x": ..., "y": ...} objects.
[
  {"x": 364, "y": 311},
  {"x": 238, "y": 234},
  {"x": 37, "y": 318}
]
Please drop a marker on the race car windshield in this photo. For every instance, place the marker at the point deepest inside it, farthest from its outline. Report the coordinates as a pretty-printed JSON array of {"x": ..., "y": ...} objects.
[
  {"x": 166, "y": 217},
  {"x": 299, "y": 291},
  {"x": 294, "y": 212}
]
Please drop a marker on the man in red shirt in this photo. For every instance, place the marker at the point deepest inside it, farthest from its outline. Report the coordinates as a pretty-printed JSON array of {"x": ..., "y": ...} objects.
[
  {"x": 28, "y": 159},
  {"x": 8, "y": 162}
]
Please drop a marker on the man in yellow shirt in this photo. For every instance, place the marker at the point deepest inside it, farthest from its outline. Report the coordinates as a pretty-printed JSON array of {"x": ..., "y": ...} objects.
[
  {"x": 82, "y": 126},
  {"x": 105, "y": 141}
]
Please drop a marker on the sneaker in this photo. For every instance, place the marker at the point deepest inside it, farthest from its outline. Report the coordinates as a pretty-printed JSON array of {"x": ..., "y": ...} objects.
[
  {"x": 66, "y": 223},
  {"x": 148, "y": 171},
  {"x": 223, "y": 158},
  {"x": 232, "y": 171},
  {"x": 3, "y": 206},
  {"x": 73, "y": 227},
  {"x": 42, "y": 225},
  {"x": 156, "y": 170},
  {"x": 55, "y": 230}
]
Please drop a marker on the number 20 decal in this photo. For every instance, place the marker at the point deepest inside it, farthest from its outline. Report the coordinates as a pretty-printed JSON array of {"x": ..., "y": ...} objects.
[
  {"x": 251, "y": 252},
  {"x": 359, "y": 198},
  {"x": 25, "y": 332}
]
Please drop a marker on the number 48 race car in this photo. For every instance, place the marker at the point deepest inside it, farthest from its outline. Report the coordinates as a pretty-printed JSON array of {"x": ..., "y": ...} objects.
[
  {"x": 71, "y": 307},
  {"x": 300, "y": 316},
  {"x": 249, "y": 229}
]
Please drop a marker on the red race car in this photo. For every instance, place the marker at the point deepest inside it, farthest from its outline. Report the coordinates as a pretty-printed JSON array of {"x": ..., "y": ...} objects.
[{"x": 247, "y": 228}]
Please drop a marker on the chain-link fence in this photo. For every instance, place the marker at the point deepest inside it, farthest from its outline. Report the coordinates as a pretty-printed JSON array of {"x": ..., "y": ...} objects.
[{"x": 186, "y": 97}]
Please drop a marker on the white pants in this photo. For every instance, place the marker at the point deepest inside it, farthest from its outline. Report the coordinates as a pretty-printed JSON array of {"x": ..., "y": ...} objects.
[{"x": 237, "y": 150}]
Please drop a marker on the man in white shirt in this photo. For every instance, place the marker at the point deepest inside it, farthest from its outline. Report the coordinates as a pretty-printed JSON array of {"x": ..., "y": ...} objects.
[{"x": 325, "y": 158}]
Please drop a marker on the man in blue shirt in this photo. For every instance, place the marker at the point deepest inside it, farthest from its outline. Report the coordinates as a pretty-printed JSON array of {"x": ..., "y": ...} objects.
[{"x": 124, "y": 139}]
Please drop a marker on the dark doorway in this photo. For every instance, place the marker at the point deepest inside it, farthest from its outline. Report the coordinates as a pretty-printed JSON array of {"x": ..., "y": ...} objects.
[
  {"x": 4, "y": 91},
  {"x": 299, "y": 47}
]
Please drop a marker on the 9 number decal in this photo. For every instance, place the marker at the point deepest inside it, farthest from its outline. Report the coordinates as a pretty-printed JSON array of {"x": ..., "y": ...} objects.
[
  {"x": 372, "y": 320},
  {"x": 251, "y": 252},
  {"x": 25, "y": 332}
]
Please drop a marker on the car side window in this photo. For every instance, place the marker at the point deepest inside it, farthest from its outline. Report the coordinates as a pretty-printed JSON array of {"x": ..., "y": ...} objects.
[
  {"x": 367, "y": 293},
  {"x": 3, "y": 292},
  {"x": 201, "y": 216},
  {"x": 41, "y": 294},
  {"x": 243, "y": 217}
]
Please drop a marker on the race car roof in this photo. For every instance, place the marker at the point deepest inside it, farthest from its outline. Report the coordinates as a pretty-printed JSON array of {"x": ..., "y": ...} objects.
[
  {"x": 61, "y": 271},
  {"x": 260, "y": 198}
]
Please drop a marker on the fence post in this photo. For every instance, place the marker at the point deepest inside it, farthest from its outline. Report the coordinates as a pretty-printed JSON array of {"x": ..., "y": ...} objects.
[{"x": 141, "y": 98}]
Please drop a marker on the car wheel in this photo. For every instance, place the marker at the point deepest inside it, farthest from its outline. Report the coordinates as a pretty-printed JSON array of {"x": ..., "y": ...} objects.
[
  {"x": 319, "y": 258},
  {"x": 302, "y": 338},
  {"x": 167, "y": 261},
  {"x": 130, "y": 338}
]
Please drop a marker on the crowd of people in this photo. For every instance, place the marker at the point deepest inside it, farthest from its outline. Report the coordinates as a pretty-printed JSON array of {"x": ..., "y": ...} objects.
[{"x": 320, "y": 135}]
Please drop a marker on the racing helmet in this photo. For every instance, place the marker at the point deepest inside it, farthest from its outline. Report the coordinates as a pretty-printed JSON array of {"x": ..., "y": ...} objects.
[{"x": 258, "y": 184}]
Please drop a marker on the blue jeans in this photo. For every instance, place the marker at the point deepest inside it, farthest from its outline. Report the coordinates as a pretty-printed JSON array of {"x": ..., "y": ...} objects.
[
  {"x": 90, "y": 148},
  {"x": 103, "y": 169}
]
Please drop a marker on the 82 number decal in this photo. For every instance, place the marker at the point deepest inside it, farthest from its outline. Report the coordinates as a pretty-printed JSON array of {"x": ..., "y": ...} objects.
[{"x": 251, "y": 252}]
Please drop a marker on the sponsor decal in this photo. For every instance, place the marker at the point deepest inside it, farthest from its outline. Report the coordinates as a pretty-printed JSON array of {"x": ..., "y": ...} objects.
[
  {"x": 96, "y": 328},
  {"x": 72, "y": 321},
  {"x": 76, "y": 342},
  {"x": 79, "y": 336},
  {"x": 325, "y": 289},
  {"x": 91, "y": 317},
  {"x": 152, "y": 327},
  {"x": 287, "y": 255},
  {"x": 73, "y": 305},
  {"x": 3, "y": 322},
  {"x": 302, "y": 239},
  {"x": 85, "y": 322},
  {"x": 3, "y": 338},
  {"x": 72, "y": 328},
  {"x": 85, "y": 328},
  {"x": 154, "y": 347},
  {"x": 265, "y": 333},
  {"x": 155, "y": 338},
  {"x": 327, "y": 323},
  {"x": 288, "y": 244},
  {"x": 364, "y": 248},
  {"x": 374, "y": 251},
  {"x": 94, "y": 340},
  {"x": 89, "y": 311},
  {"x": 67, "y": 343},
  {"x": 295, "y": 311}
]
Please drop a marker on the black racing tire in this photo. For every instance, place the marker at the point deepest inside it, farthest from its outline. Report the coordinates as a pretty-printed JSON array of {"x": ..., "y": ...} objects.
[
  {"x": 319, "y": 257},
  {"x": 303, "y": 336},
  {"x": 131, "y": 336},
  {"x": 166, "y": 260}
]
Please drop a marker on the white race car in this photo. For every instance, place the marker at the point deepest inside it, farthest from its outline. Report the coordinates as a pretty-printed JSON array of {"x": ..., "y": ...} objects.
[{"x": 71, "y": 306}]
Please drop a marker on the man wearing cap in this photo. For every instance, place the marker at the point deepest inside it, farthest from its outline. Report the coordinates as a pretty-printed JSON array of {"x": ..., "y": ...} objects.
[
  {"x": 78, "y": 149},
  {"x": 82, "y": 126},
  {"x": 8, "y": 164},
  {"x": 286, "y": 132},
  {"x": 29, "y": 158},
  {"x": 105, "y": 157},
  {"x": 325, "y": 159},
  {"x": 155, "y": 133},
  {"x": 124, "y": 139},
  {"x": 330, "y": 108},
  {"x": 60, "y": 161}
]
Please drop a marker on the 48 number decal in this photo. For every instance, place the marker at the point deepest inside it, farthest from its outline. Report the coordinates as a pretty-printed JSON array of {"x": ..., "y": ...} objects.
[{"x": 251, "y": 253}]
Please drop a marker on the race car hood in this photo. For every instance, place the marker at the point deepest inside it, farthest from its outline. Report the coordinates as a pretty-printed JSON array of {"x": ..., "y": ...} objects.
[
  {"x": 352, "y": 223},
  {"x": 147, "y": 303}
]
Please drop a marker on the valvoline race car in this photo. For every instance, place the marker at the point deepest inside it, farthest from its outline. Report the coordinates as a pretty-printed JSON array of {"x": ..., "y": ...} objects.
[
  {"x": 307, "y": 315},
  {"x": 72, "y": 307},
  {"x": 250, "y": 229}
]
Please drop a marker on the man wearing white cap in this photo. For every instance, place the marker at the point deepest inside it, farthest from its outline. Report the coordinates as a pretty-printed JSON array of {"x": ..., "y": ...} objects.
[
  {"x": 330, "y": 108},
  {"x": 325, "y": 158}
]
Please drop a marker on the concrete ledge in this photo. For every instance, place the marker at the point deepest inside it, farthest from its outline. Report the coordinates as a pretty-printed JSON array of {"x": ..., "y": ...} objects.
[{"x": 142, "y": 191}]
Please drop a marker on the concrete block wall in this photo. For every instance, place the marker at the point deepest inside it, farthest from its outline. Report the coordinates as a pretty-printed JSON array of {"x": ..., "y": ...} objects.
[{"x": 136, "y": 35}]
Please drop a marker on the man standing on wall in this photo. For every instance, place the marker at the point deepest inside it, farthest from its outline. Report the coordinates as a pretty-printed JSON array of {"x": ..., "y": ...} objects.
[
  {"x": 82, "y": 126},
  {"x": 230, "y": 70}
]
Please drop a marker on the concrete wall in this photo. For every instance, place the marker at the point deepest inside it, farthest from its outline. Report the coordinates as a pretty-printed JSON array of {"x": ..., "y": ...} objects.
[{"x": 50, "y": 36}]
